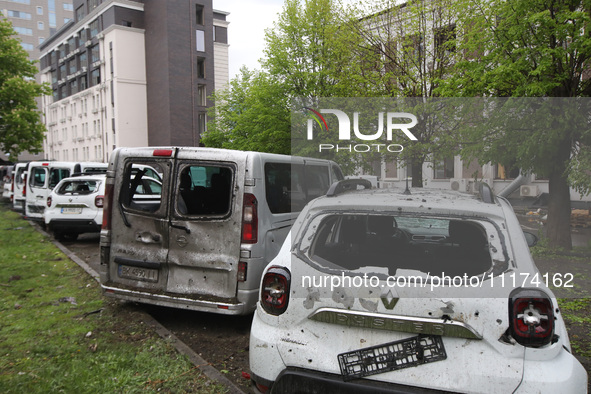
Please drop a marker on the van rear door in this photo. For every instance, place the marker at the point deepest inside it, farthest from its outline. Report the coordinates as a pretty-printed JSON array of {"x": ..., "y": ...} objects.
[
  {"x": 205, "y": 227},
  {"x": 139, "y": 220}
]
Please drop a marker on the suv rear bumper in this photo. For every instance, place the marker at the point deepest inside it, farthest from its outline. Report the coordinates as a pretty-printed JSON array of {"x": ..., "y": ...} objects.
[
  {"x": 75, "y": 226},
  {"x": 176, "y": 302},
  {"x": 295, "y": 380}
]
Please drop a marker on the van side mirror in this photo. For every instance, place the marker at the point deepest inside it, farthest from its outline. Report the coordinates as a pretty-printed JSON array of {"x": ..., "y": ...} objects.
[{"x": 531, "y": 239}]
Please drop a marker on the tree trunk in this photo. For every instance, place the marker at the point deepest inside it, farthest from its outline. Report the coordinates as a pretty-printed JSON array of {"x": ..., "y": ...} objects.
[
  {"x": 417, "y": 173},
  {"x": 558, "y": 224}
]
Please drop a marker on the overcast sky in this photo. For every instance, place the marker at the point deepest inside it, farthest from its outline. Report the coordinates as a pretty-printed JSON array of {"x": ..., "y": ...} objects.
[{"x": 246, "y": 33}]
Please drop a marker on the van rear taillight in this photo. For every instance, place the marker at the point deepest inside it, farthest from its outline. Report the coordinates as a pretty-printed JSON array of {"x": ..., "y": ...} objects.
[
  {"x": 531, "y": 317},
  {"x": 25, "y": 186},
  {"x": 242, "y": 268},
  {"x": 107, "y": 206},
  {"x": 12, "y": 184},
  {"x": 250, "y": 219},
  {"x": 99, "y": 201},
  {"x": 275, "y": 290},
  {"x": 162, "y": 152}
]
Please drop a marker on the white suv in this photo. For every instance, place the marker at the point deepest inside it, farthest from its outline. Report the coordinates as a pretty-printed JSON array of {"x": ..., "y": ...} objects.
[
  {"x": 384, "y": 291},
  {"x": 75, "y": 206}
]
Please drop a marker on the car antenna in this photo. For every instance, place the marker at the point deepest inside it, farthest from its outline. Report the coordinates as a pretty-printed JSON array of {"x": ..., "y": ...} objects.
[{"x": 407, "y": 190}]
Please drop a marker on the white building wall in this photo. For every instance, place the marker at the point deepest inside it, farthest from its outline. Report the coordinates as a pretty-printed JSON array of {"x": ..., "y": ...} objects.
[{"x": 221, "y": 60}]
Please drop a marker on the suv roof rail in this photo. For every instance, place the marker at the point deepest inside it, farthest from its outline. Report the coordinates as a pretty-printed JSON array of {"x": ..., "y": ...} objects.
[
  {"x": 347, "y": 185},
  {"x": 486, "y": 193}
]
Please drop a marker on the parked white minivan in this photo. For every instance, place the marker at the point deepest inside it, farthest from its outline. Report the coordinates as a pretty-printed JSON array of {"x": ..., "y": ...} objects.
[
  {"x": 18, "y": 187},
  {"x": 199, "y": 237},
  {"x": 43, "y": 176}
]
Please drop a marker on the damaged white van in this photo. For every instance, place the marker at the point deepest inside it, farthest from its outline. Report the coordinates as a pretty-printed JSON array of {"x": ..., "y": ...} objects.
[{"x": 193, "y": 228}]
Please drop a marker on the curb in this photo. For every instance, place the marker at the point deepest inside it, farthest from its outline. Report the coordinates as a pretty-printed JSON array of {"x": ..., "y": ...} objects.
[{"x": 162, "y": 331}]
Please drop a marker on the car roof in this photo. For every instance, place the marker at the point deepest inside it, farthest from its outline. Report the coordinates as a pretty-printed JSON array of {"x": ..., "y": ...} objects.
[
  {"x": 427, "y": 201},
  {"x": 93, "y": 177}
]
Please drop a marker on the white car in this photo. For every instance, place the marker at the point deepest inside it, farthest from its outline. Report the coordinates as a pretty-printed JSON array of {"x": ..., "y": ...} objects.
[
  {"x": 382, "y": 291},
  {"x": 75, "y": 206}
]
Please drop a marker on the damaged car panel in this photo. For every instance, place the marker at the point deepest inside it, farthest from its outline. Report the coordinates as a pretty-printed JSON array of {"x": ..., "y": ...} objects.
[{"x": 379, "y": 290}]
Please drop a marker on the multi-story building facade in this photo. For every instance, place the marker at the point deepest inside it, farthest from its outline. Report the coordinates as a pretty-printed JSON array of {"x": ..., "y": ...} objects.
[{"x": 131, "y": 73}]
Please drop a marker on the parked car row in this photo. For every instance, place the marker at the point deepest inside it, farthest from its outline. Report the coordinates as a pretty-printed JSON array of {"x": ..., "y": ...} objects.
[
  {"x": 230, "y": 232},
  {"x": 353, "y": 289},
  {"x": 40, "y": 190}
]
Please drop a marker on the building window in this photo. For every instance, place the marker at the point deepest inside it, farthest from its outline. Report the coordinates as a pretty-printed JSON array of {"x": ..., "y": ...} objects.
[
  {"x": 199, "y": 17},
  {"x": 71, "y": 43},
  {"x": 82, "y": 60},
  {"x": 80, "y": 14},
  {"x": 95, "y": 54},
  {"x": 62, "y": 71},
  {"x": 39, "y": 10},
  {"x": 19, "y": 15},
  {"x": 92, "y": 4},
  {"x": 27, "y": 47},
  {"x": 95, "y": 77},
  {"x": 73, "y": 87},
  {"x": 200, "y": 38},
  {"x": 21, "y": 1},
  {"x": 82, "y": 35},
  {"x": 200, "y": 67},
  {"x": 23, "y": 30},
  {"x": 62, "y": 51},
  {"x": 83, "y": 84},
  {"x": 444, "y": 169},
  {"x": 391, "y": 169},
  {"x": 54, "y": 76},
  {"x": 41, "y": 40},
  {"x": 201, "y": 95},
  {"x": 72, "y": 66},
  {"x": 52, "y": 20},
  {"x": 68, "y": 7},
  {"x": 202, "y": 123},
  {"x": 94, "y": 28}
]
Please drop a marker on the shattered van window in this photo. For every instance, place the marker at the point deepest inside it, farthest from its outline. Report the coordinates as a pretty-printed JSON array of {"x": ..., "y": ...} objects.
[
  {"x": 390, "y": 243},
  {"x": 205, "y": 190}
]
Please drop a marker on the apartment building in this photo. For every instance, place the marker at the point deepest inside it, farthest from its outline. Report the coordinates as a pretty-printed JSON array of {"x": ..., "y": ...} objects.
[{"x": 131, "y": 73}]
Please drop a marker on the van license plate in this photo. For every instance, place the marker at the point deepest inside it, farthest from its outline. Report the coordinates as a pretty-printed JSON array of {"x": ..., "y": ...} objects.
[
  {"x": 145, "y": 274},
  {"x": 71, "y": 210}
]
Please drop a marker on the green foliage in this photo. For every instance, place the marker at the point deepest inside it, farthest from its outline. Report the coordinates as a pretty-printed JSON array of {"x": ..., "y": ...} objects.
[
  {"x": 253, "y": 114},
  {"x": 20, "y": 124}
]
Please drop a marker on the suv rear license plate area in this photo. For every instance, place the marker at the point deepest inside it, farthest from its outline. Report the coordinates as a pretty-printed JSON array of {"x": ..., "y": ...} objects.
[
  {"x": 70, "y": 211},
  {"x": 392, "y": 356},
  {"x": 138, "y": 273}
]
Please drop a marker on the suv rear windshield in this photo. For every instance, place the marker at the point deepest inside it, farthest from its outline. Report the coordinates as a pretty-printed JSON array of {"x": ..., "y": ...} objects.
[
  {"x": 388, "y": 243},
  {"x": 79, "y": 187}
]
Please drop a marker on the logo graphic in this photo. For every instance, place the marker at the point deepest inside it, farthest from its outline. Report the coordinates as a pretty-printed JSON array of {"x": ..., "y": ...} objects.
[
  {"x": 318, "y": 118},
  {"x": 393, "y": 121}
]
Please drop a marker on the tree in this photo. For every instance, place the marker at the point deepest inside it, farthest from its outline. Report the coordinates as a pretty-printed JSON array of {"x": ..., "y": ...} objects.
[
  {"x": 410, "y": 48},
  {"x": 21, "y": 127},
  {"x": 529, "y": 48},
  {"x": 253, "y": 114}
]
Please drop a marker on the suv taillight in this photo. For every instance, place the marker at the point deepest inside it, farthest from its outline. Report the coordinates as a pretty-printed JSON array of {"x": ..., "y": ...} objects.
[
  {"x": 107, "y": 204},
  {"x": 531, "y": 317},
  {"x": 48, "y": 201},
  {"x": 250, "y": 219},
  {"x": 25, "y": 186},
  {"x": 99, "y": 201},
  {"x": 275, "y": 290}
]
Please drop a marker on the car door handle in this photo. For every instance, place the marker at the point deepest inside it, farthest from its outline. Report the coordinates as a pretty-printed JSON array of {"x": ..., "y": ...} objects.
[{"x": 148, "y": 237}]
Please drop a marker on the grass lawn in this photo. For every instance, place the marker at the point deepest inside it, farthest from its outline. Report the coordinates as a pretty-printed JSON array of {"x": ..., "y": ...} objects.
[{"x": 58, "y": 334}]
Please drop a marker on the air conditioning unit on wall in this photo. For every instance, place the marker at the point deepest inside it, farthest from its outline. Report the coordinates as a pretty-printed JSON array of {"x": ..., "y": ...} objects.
[
  {"x": 458, "y": 185},
  {"x": 528, "y": 191}
]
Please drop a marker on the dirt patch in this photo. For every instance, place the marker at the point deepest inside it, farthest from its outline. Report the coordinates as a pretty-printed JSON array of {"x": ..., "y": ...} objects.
[{"x": 221, "y": 340}]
